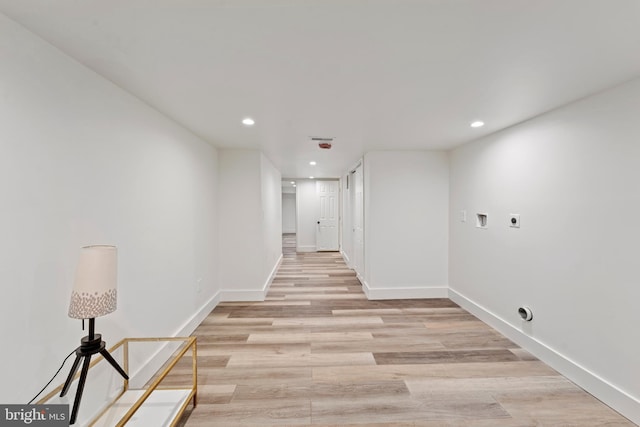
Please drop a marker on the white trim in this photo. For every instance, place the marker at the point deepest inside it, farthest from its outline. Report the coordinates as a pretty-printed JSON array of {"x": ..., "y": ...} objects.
[
  {"x": 307, "y": 248},
  {"x": 242, "y": 295},
  {"x": 346, "y": 258},
  {"x": 365, "y": 285},
  {"x": 272, "y": 275},
  {"x": 190, "y": 325},
  {"x": 405, "y": 292},
  {"x": 355, "y": 166},
  {"x": 251, "y": 294},
  {"x": 608, "y": 393},
  {"x": 160, "y": 356}
]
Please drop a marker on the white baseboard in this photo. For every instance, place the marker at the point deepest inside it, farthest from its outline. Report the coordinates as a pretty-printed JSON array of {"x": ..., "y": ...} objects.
[
  {"x": 308, "y": 248},
  {"x": 365, "y": 285},
  {"x": 162, "y": 354},
  {"x": 346, "y": 258},
  {"x": 608, "y": 393},
  {"x": 272, "y": 275},
  {"x": 403, "y": 292},
  {"x": 190, "y": 325},
  {"x": 241, "y": 295},
  {"x": 251, "y": 294}
]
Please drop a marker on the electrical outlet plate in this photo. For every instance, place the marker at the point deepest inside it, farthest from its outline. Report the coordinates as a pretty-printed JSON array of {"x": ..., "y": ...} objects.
[
  {"x": 463, "y": 216},
  {"x": 514, "y": 220},
  {"x": 482, "y": 220}
]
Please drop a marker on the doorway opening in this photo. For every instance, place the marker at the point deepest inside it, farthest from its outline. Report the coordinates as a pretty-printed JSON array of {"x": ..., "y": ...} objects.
[
  {"x": 315, "y": 206},
  {"x": 289, "y": 227}
]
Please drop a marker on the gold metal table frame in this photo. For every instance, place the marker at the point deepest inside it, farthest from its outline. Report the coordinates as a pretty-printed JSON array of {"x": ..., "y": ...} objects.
[{"x": 153, "y": 385}]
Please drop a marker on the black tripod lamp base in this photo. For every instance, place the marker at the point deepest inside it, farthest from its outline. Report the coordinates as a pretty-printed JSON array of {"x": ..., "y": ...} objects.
[{"x": 89, "y": 345}]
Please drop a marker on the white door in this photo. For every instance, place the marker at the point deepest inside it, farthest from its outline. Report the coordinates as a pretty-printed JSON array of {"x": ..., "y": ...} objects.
[
  {"x": 358, "y": 221},
  {"x": 327, "y": 231}
]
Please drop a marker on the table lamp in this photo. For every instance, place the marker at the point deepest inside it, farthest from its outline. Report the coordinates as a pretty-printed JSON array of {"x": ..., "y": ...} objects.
[{"x": 94, "y": 294}]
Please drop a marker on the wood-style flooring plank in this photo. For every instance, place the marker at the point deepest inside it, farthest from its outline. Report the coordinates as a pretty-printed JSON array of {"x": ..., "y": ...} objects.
[
  {"x": 318, "y": 390},
  {"x": 529, "y": 384},
  {"x": 299, "y": 360},
  {"x": 440, "y": 356},
  {"x": 439, "y": 370},
  {"x": 559, "y": 407},
  {"x": 401, "y": 408},
  {"x": 309, "y": 337},
  {"x": 266, "y": 412}
]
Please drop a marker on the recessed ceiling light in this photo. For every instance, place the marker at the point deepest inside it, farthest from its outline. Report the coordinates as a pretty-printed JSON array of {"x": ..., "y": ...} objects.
[
  {"x": 477, "y": 124},
  {"x": 310, "y": 177},
  {"x": 248, "y": 121},
  {"x": 293, "y": 182},
  {"x": 312, "y": 163}
]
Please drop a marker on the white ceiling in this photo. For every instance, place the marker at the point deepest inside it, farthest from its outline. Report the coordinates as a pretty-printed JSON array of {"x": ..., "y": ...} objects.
[{"x": 374, "y": 74}]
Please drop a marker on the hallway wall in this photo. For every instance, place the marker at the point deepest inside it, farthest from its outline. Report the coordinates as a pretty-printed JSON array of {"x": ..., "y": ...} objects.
[
  {"x": 573, "y": 176},
  {"x": 84, "y": 162},
  {"x": 271, "y": 196},
  {"x": 406, "y": 205},
  {"x": 240, "y": 222},
  {"x": 346, "y": 236},
  {"x": 250, "y": 224},
  {"x": 307, "y": 211}
]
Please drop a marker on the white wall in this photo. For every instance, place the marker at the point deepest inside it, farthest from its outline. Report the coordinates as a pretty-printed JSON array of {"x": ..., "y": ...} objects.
[
  {"x": 307, "y": 210},
  {"x": 288, "y": 213},
  {"x": 573, "y": 175},
  {"x": 250, "y": 223},
  {"x": 83, "y": 162},
  {"x": 271, "y": 197},
  {"x": 406, "y": 224},
  {"x": 346, "y": 240},
  {"x": 240, "y": 214},
  {"x": 357, "y": 222}
]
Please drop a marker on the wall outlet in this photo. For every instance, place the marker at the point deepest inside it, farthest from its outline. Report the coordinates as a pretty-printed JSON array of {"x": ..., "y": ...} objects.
[
  {"x": 514, "y": 220},
  {"x": 463, "y": 216},
  {"x": 482, "y": 220}
]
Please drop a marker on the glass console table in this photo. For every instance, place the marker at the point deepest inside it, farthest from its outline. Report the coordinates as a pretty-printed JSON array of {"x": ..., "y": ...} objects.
[{"x": 153, "y": 396}]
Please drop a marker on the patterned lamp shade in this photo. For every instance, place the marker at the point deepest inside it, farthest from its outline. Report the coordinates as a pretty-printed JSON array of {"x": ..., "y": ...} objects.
[{"x": 95, "y": 288}]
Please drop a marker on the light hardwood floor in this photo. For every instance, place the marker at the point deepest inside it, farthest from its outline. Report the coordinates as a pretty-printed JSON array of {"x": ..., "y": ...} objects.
[{"x": 317, "y": 352}]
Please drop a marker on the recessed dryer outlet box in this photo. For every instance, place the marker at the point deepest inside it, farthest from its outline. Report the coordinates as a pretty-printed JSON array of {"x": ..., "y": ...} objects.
[
  {"x": 514, "y": 220},
  {"x": 525, "y": 313},
  {"x": 481, "y": 220}
]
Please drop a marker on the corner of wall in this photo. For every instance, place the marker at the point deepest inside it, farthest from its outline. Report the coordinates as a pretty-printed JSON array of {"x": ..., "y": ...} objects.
[
  {"x": 272, "y": 275},
  {"x": 404, "y": 292}
]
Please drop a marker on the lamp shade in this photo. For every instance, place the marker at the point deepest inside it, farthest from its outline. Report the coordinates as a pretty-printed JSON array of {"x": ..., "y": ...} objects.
[{"x": 95, "y": 287}]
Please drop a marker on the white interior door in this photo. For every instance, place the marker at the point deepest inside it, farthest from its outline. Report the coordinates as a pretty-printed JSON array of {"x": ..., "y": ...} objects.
[
  {"x": 327, "y": 231},
  {"x": 358, "y": 221}
]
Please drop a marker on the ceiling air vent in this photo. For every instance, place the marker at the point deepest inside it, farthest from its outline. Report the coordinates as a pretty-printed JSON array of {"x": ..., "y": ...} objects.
[{"x": 323, "y": 142}]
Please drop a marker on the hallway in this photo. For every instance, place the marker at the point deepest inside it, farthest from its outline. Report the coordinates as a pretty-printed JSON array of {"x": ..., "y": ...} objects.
[{"x": 317, "y": 352}]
